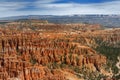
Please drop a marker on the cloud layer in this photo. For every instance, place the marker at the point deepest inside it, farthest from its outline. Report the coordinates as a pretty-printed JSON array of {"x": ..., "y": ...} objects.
[{"x": 50, "y": 7}]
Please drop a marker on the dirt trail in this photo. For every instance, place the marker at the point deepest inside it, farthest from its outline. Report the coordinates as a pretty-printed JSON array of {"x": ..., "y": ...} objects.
[
  {"x": 118, "y": 65},
  {"x": 70, "y": 76}
]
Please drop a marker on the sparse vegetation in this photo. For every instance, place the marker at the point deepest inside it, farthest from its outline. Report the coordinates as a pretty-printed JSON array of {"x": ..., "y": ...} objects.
[
  {"x": 111, "y": 52},
  {"x": 49, "y": 49}
]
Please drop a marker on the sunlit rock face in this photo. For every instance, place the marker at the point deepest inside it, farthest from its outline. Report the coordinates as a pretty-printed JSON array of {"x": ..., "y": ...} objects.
[{"x": 55, "y": 55}]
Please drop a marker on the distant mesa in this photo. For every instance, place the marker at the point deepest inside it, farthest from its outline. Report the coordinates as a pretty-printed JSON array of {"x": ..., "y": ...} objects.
[{"x": 104, "y": 20}]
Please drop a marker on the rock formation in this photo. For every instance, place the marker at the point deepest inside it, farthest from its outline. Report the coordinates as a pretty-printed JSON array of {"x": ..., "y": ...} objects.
[{"x": 48, "y": 55}]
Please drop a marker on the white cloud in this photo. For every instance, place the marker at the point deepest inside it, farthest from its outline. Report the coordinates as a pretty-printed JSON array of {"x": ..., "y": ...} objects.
[
  {"x": 8, "y": 6},
  {"x": 45, "y": 1},
  {"x": 75, "y": 8},
  {"x": 47, "y": 7}
]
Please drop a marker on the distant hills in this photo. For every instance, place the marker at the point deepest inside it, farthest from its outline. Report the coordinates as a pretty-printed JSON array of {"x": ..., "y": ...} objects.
[{"x": 104, "y": 20}]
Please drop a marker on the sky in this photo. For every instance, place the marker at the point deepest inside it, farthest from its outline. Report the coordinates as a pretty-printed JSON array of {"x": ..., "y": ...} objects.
[{"x": 58, "y": 7}]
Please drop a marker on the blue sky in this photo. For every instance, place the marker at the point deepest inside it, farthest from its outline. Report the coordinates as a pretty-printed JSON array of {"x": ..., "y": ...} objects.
[{"x": 58, "y": 7}]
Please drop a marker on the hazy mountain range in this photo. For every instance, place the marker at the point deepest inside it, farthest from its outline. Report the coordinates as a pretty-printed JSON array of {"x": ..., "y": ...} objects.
[{"x": 104, "y": 20}]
